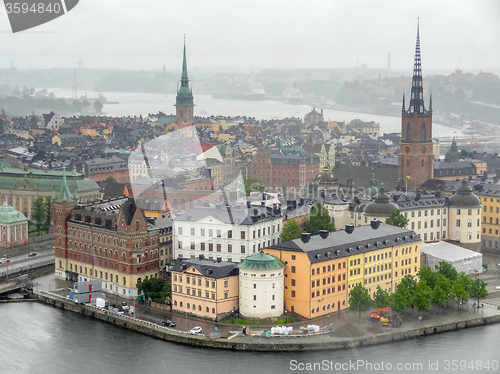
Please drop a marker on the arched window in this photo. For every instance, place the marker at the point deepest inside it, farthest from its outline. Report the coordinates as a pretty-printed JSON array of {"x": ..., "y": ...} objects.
[
  {"x": 423, "y": 133},
  {"x": 181, "y": 112},
  {"x": 422, "y": 163},
  {"x": 408, "y": 132},
  {"x": 136, "y": 225},
  {"x": 407, "y": 162}
]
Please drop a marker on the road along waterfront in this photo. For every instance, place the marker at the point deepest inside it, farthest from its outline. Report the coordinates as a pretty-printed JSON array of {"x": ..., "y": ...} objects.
[
  {"x": 438, "y": 324},
  {"x": 37, "y": 338}
]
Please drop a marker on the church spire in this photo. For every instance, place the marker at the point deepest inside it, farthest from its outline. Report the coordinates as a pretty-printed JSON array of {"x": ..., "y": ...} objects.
[
  {"x": 184, "y": 100},
  {"x": 64, "y": 194},
  {"x": 184, "y": 77},
  {"x": 403, "y": 101},
  {"x": 417, "y": 89},
  {"x": 430, "y": 102}
]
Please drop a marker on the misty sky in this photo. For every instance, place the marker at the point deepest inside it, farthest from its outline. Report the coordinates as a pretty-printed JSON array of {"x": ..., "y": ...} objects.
[{"x": 145, "y": 34}]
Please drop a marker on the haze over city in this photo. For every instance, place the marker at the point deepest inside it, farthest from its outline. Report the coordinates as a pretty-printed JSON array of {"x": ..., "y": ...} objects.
[{"x": 278, "y": 34}]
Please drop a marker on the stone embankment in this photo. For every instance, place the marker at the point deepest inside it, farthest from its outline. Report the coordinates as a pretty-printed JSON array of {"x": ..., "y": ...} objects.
[{"x": 292, "y": 343}]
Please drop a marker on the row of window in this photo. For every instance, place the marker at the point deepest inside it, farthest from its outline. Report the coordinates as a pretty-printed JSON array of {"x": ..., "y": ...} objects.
[
  {"x": 218, "y": 246},
  {"x": 326, "y": 268},
  {"x": 327, "y": 306},
  {"x": 195, "y": 280},
  {"x": 431, "y": 212},
  {"x": 378, "y": 278},
  {"x": 188, "y": 305},
  {"x": 256, "y": 233},
  {"x": 326, "y": 291},
  {"x": 103, "y": 276}
]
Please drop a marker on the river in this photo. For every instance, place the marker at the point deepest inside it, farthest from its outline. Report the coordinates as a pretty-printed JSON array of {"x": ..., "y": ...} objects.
[
  {"x": 37, "y": 338},
  {"x": 135, "y": 104}
]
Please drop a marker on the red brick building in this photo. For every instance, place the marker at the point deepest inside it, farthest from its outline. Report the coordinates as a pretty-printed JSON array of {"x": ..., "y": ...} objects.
[
  {"x": 108, "y": 240},
  {"x": 290, "y": 170},
  {"x": 99, "y": 169}
]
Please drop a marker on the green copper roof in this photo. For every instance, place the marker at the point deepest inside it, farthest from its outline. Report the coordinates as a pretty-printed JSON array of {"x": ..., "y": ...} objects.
[
  {"x": 9, "y": 215},
  {"x": 184, "y": 65},
  {"x": 64, "y": 194},
  {"x": 262, "y": 261},
  {"x": 184, "y": 94}
]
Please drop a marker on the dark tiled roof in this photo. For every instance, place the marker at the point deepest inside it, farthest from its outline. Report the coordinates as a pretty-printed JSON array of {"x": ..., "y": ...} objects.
[
  {"x": 207, "y": 268},
  {"x": 341, "y": 244}
]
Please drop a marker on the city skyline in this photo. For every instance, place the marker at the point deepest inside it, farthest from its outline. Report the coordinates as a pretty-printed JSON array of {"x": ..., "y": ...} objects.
[{"x": 281, "y": 35}]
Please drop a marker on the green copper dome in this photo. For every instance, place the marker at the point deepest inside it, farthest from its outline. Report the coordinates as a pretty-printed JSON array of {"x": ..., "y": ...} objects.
[
  {"x": 464, "y": 198},
  {"x": 262, "y": 261},
  {"x": 9, "y": 215},
  {"x": 381, "y": 205}
]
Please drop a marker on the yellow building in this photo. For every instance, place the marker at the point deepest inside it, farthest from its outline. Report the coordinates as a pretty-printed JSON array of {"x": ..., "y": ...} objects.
[
  {"x": 321, "y": 269},
  {"x": 205, "y": 288}
]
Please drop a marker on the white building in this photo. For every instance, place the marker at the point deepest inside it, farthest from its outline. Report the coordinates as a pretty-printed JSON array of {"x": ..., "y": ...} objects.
[
  {"x": 261, "y": 284},
  {"x": 432, "y": 216},
  {"x": 230, "y": 233},
  {"x": 460, "y": 258}
]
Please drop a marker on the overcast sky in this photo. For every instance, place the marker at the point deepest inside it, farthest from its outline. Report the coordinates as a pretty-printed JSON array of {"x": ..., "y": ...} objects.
[{"x": 145, "y": 34}]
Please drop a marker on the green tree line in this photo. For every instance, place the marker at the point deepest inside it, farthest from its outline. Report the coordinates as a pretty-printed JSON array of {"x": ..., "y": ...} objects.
[{"x": 434, "y": 287}]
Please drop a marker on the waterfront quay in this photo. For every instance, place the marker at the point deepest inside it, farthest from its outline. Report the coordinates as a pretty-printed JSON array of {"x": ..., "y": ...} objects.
[{"x": 332, "y": 337}]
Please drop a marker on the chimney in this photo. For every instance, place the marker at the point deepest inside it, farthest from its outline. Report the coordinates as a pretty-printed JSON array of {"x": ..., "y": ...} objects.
[
  {"x": 305, "y": 237},
  {"x": 349, "y": 229},
  {"x": 375, "y": 223},
  {"x": 219, "y": 259},
  {"x": 201, "y": 257},
  {"x": 248, "y": 204},
  {"x": 255, "y": 212},
  {"x": 323, "y": 233}
]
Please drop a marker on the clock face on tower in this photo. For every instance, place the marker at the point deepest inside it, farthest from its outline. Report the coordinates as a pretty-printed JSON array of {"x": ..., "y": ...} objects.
[
  {"x": 424, "y": 149},
  {"x": 407, "y": 149}
]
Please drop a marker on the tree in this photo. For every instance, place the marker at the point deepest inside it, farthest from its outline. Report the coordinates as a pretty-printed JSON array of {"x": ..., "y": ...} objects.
[
  {"x": 98, "y": 106},
  {"x": 447, "y": 270},
  {"x": 421, "y": 296},
  {"x": 359, "y": 300},
  {"x": 426, "y": 273},
  {"x": 110, "y": 179},
  {"x": 291, "y": 230},
  {"x": 319, "y": 219},
  {"x": 458, "y": 293},
  {"x": 252, "y": 185},
  {"x": 401, "y": 298},
  {"x": 440, "y": 290},
  {"x": 409, "y": 282},
  {"x": 396, "y": 218},
  {"x": 156, "y": 289},
  {"x": 381, "y": 298},
  {"x": 478, "y": 290},
  {"x": 48, "y": 212},
  {"x": 38, "y": 212}
]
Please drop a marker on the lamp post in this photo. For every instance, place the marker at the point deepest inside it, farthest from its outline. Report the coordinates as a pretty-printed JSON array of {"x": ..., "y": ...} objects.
[{"x": 286, "y": 311}]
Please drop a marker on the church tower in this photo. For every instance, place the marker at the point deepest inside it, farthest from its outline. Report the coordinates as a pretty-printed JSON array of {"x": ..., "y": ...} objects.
[
  {"x": 416, "y": 158},
  {"x": 63, "y": 205},
  {"x": 184, "y": 101}
]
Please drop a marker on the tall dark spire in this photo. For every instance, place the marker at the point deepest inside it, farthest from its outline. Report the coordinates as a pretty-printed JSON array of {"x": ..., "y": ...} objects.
[
  {"x": 184, "y": 77},
  {"x": 184, "y": 93},
  {"x": 430, "y": 102},
  {"x": 404, "y": 101},
  {"x": 417, "y": 89}
]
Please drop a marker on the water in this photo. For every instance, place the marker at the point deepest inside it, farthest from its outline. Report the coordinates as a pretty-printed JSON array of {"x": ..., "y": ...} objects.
[
  {"x": 135, "y": 104},
  {"x": 37, "y": 338}
]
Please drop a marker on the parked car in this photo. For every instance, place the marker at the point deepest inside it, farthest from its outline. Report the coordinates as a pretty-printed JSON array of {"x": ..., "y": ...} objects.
[
  {"x": 196, "y": 330},
  {"x": 168, "y": 323},
  {"x": 31, "y": 254},
  {"x": 5, "y": 261}
]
